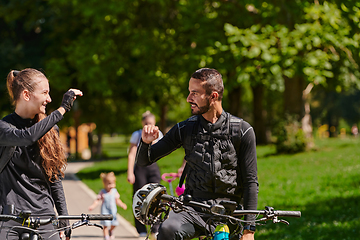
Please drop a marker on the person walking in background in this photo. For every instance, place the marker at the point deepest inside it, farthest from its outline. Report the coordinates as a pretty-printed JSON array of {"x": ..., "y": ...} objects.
[
  {"x": 355, "y": 130},
  {"x": 32, "y": 158},
  {"x": 140, "y": 175},
  {"x": 220, "y": 154},
  {"x": 110, "y": 198}
]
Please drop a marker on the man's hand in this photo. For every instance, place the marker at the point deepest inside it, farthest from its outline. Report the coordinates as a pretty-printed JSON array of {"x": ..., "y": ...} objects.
[
  {"x": 149, "y": 133},
  {"x": 247, "y": 235}
]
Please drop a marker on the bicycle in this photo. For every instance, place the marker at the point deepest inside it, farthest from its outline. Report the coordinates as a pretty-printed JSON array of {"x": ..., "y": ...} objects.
[
  {"x": 28, "y": 230},
  {"x": 152, "y": 204}
]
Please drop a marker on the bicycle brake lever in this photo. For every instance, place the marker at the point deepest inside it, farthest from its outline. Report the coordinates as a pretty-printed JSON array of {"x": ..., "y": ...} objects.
[
  {"x": 95, "y": 225},
  {"x": 78, "y": 224},
  {"x": 284, "y": 221},
  {"x": 276, "y": 220}
]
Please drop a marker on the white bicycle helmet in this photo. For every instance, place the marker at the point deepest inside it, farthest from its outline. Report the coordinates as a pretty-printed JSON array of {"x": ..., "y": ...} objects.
[{"x": 146, "y": 200}]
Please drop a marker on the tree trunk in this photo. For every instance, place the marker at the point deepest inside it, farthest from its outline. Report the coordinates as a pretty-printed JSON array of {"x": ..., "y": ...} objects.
[
  {"x": 91, "y": 143},
  {"x": 306, "y": 122},
  {"x": 332, "y": 115},
  {"x": 99, "y": 145},
  {"x": 235, "y": 101},
  {"x": 296, "y": 103},
  {"x": 163, "y": 118},
  {"x": 77, "y": 123},
  {"x": 293, "y": 97},
  {"x": 259, "y": 114}
]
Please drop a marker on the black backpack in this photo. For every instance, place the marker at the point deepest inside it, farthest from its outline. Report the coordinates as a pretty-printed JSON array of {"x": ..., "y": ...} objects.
[{"x": 190, "y": 136}]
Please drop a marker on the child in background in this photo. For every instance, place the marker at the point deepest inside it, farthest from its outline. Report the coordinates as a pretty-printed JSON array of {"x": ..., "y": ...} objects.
[{"x": 110, "y": 199}]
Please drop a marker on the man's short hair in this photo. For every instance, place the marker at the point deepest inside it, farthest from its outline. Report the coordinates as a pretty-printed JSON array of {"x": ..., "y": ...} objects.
[{"x": 213, "y": 80}]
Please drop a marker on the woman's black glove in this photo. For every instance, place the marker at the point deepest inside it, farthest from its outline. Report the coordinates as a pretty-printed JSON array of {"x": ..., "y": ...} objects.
[
  {"x": 68, "y": 100},
  {"x": 68, "y": 233},
  {"x": 63, "y": 224}
]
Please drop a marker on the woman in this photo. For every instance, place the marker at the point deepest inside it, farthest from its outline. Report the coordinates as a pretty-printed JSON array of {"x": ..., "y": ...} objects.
[
  {"x": 31, "y": 178},
  {"x": 139, "y": 176}
]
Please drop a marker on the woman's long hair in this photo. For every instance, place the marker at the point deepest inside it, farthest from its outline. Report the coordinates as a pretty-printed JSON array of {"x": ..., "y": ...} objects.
[{"x": 52, "y": 151}]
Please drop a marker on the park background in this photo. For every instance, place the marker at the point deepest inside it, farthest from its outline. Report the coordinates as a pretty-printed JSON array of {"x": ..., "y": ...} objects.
[{"x": 290, "y": 68}]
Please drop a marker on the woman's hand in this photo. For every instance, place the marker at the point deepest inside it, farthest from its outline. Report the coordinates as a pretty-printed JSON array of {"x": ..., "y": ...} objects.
[
  {"x": 66, "y": 234},
  {"x": 69, "y": 98}
]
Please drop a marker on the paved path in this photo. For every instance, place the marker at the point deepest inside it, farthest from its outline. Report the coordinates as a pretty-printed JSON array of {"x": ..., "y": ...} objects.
[{"x": 79, "y": 197}]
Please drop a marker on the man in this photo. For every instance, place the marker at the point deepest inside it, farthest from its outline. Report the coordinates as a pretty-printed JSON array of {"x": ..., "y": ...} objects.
[
  {"x": 220, "y": 154},
  {"x": 141, "y": 175}
]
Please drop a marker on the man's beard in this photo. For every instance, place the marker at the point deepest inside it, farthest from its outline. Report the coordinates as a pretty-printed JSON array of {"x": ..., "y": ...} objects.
[{"x": 202, "y": 110}]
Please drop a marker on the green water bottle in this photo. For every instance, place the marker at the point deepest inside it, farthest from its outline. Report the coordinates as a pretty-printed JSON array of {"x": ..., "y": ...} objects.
[{"x": 222, "y": 232}]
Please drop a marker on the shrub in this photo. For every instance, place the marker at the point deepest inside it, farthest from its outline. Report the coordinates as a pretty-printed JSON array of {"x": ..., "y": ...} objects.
[{"x": 290, "y": 137}]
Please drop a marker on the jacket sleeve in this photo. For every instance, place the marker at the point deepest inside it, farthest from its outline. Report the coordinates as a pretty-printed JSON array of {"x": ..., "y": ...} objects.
[
  {"x": 58, "y": 195},
  {"x": 24, "y": 137},
  {"x": 248, "y": 166},
  {"x": 147, "y": 154}
]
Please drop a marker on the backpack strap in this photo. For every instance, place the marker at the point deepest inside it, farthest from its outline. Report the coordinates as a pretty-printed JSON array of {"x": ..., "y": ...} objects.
[
  {"x": 189, "y": 140},
  {"x": 235, "y": 135},
  {"x": 235, "y": 130},
  {"x": 190, "y": 132},
  {"x": 7, "y": 153}
]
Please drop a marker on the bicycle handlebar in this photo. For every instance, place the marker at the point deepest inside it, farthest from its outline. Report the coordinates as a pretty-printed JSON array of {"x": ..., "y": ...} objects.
[
  {"x": 277, "y": 213},
  {"x": 171, "y": 198},
  {"x": 281, "y": 213},
  {"x": 87, "y": 217},
  {"x": 268, "y": 212},
  {"x": 37, "y": 221}
]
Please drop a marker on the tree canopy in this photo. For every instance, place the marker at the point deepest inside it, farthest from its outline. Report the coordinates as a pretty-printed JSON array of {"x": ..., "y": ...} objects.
[{"x": 132, "y": 56}]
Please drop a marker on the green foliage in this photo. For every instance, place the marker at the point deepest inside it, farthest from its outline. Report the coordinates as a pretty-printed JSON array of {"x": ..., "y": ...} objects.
[
  {"x": 290, "y": 137},
  {"x": 316, "y": 47},
  {"x": 127, "y": 59},
  {"x": 289, "y": 51}
]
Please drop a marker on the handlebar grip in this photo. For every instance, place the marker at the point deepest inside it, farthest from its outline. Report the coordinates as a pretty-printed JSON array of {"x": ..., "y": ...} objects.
[
  {"x": 167, "y": 197},
  {"x": 8, "y": 217},
  {"x": 100, "y": 217},
  {"x": 288, "y": 213},
  {"x": 171, "y": 198}
]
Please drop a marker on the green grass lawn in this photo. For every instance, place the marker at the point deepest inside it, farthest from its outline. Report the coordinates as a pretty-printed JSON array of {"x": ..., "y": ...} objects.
[{"x": 323, "y": 184}]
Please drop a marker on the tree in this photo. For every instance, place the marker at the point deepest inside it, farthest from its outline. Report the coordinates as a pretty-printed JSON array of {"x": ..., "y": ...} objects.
[
  {"x": 317, "y": 51},
  {"x": 127, "y": 59},
  {"x": 22, "y": 42}
]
